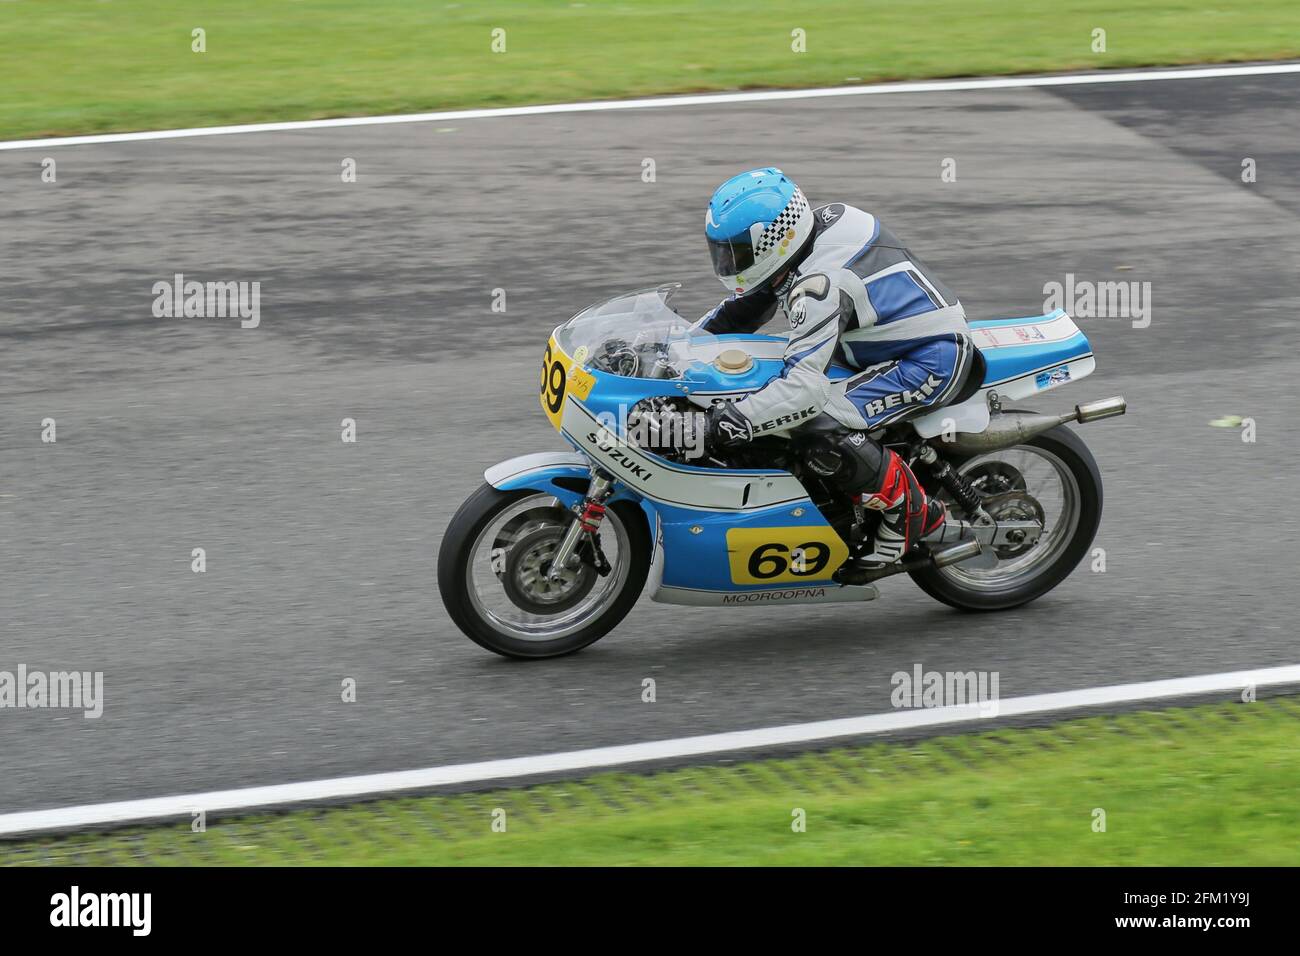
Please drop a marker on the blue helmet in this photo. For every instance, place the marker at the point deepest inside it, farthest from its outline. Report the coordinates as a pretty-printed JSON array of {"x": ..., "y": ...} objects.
[{"x": 756, "y": 222}]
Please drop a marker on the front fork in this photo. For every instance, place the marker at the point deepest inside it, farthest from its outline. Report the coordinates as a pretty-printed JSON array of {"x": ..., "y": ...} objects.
[{"x": 587, "y": 517}]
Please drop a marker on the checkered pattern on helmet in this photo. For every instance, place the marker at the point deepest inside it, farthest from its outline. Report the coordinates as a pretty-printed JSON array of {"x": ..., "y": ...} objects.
[{"x": 786, "y": 219}]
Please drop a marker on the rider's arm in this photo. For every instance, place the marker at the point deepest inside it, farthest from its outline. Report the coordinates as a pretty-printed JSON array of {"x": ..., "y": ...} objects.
[
  {"x": 740, "y": 315},
  {"x": 819, "y": 312}
]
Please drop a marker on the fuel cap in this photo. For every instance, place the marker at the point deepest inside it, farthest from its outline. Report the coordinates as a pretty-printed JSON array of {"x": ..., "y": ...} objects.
[{"x": 733, "y": 362}]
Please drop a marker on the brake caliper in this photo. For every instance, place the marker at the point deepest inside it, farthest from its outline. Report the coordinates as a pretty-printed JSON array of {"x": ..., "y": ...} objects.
[{"x": 589, "y": 549}]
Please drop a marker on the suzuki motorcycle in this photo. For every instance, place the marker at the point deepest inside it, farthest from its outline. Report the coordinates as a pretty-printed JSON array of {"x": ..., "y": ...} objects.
[{"x": 555, "y": 547}]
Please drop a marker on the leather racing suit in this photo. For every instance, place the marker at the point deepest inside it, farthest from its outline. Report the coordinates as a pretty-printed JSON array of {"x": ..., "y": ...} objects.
[{"x": 860, "y": 299}]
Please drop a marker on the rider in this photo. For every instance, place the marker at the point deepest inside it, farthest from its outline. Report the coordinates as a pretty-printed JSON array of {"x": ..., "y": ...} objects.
[{"x": 855, "y": 295}]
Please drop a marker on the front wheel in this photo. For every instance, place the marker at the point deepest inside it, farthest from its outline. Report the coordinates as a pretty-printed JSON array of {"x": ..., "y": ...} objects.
[
  {"x": 1053, "y": 479},
  {"x": 493, "y": 574}
]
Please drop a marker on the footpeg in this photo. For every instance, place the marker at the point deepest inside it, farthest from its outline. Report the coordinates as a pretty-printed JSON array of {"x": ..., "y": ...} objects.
[{"x": 851, "y": 573}]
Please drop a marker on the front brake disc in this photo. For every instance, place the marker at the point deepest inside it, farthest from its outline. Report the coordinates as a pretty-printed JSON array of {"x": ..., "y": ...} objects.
[
  {"x": 527, "y": 579},
  {"x": 517, "y": 527}
]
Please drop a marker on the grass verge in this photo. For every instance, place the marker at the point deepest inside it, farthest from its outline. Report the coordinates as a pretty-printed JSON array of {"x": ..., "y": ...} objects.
[
  {"x": 1202, "y": 786},
  {"x": 85, "y": 66}
]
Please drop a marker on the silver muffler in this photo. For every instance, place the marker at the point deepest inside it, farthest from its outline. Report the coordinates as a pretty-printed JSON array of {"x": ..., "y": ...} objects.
[
  {"x": 1103, "y": 408},
  {"x": 1006, "y": 429}
]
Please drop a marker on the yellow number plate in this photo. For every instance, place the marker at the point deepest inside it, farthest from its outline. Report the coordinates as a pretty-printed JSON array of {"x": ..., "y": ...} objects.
[
  {"x": 561, "y": 377},
  {"x": 784, "y": 555}
]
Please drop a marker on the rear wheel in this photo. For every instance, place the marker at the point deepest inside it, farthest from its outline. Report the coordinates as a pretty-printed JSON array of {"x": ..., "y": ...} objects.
[
  {"x": 493, "y": 574},
  {"x": 1052, "y": 479}
]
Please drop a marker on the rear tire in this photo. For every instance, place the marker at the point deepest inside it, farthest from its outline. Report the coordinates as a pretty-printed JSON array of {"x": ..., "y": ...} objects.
[
  {"x": 1068, "y": 448},
  {"x": 455, "y": 578}
]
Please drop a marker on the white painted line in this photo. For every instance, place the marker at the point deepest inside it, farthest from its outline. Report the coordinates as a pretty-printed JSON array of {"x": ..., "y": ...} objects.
[
  {"x": 703, "y": 99},
  {"x": 158, "y": 808}
]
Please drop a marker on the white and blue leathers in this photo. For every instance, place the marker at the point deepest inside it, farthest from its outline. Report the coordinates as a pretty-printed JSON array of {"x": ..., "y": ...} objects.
[{"x": 859, "y": 298}]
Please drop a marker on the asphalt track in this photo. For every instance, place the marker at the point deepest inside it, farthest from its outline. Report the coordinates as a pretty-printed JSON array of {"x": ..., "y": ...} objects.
[{"x": 376, "y": 305}]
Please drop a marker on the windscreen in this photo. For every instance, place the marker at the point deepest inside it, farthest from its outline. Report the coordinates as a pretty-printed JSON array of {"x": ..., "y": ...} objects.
[{"x": 636, "y": 335}]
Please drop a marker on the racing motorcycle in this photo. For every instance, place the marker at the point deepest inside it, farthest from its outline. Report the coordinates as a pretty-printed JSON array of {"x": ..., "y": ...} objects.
[{"x": 552, "y": 551}]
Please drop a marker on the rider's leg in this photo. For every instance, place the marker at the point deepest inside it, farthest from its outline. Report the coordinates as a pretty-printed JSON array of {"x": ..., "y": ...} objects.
[
  {"x": 881, "y": 480},
  {"x": 914, "y": 382}
]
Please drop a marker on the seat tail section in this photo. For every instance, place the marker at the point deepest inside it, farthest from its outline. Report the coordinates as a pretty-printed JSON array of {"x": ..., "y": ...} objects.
[{"x": 1023, "y": 357}]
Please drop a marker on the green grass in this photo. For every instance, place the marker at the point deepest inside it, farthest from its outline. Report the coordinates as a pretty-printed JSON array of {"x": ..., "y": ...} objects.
[
  {"x": 82, "y": 66},
  {"x": 1210, "y": 785}
]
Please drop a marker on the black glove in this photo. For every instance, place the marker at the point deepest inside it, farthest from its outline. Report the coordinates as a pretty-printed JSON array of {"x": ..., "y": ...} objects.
[{"x": 726, "y": 428}]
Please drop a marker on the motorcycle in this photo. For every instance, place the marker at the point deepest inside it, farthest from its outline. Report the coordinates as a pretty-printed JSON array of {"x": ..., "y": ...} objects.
[{"x": 553, "y": 550}]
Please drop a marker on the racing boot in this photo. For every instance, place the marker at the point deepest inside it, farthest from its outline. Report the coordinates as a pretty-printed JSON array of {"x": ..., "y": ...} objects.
[{"x": 907, "y": 514}]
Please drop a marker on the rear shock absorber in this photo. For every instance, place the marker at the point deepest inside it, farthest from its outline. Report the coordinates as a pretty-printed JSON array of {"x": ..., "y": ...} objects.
[{"x": 954, "y": 482}]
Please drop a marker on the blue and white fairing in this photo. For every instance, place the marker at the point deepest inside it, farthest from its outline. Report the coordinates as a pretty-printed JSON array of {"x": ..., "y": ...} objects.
[{"x": 725, "y": 535}]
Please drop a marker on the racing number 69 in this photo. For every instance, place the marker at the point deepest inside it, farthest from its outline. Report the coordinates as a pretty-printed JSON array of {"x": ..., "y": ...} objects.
[
  {"x": 553, "y": 381},
  {"x": 806, "y": 560}
]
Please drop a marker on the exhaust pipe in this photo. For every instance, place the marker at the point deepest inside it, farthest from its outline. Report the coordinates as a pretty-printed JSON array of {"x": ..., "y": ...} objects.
[
  {"x": 1007, "y": 429},
  {"x": 958, "y": 552},
  {"x": 1096, "y": 411}
]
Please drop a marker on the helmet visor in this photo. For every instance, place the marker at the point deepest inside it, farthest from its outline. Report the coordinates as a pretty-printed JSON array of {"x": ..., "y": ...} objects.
[{"x": 731, "y": 257}]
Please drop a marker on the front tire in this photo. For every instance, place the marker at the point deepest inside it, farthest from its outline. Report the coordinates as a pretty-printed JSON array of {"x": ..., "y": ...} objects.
[
  {"x": 993, "y": 589},
  {"x": 494, "y": 613}
]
